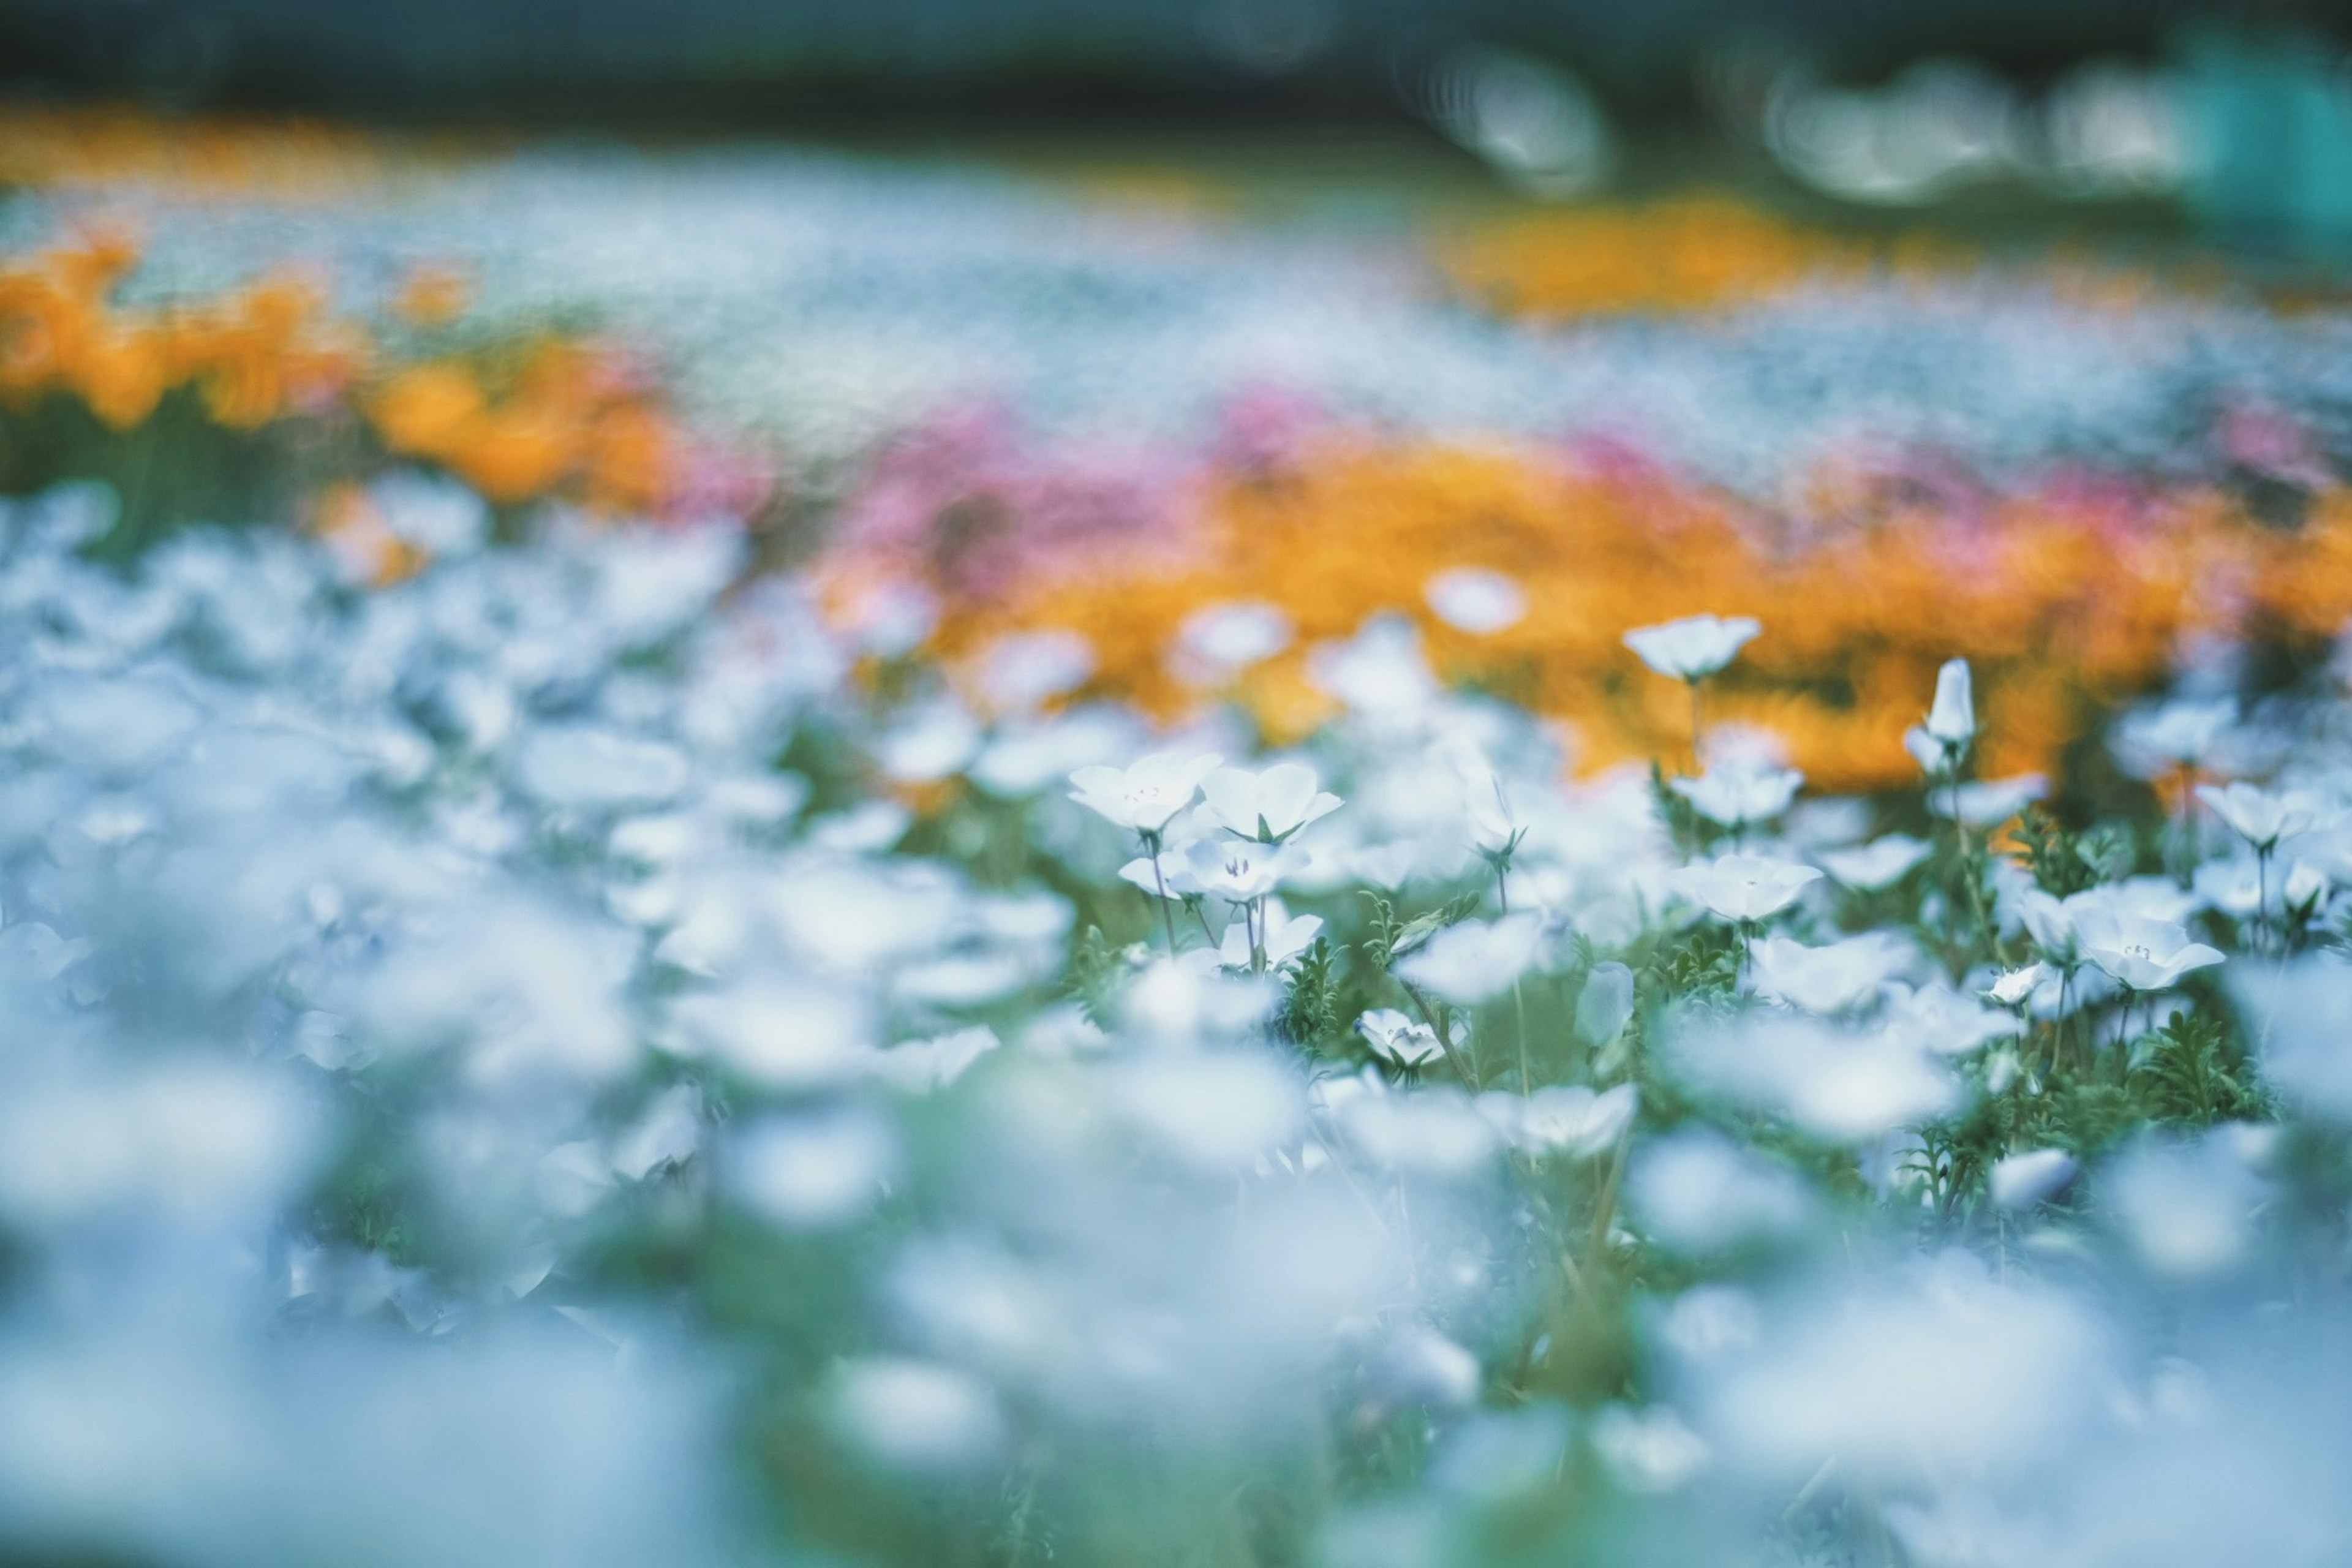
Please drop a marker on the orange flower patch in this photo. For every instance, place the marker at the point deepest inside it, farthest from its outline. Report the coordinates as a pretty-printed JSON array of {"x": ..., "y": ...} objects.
[
  {"x": 255, "y": 355},
  {"x": 2062, "y": 607},
  {"x": 517, "y": 422}
]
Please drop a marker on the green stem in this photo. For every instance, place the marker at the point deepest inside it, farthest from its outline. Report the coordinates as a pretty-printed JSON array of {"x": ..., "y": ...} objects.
[
  {"x": 1436, "y": 1023},
  {"x": 1696, "y": 730},
  {"x": 1519, "y": 1006},
  {"x": 1167, "y": 916}
]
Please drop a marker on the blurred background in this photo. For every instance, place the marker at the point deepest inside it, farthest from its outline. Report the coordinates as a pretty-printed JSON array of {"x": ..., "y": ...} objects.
[
  {"x": 559, "y": 558},
  {"x": 2236, "y": 111}
]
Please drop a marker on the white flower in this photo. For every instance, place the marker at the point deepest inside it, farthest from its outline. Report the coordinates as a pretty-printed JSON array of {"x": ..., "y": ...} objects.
[
  {"x": 1990, "y": 804},
  {"x": 2021, "y": 1181},
  {"x": 1926, "y": 750},
  {"x": 1693, "y": 647},
  {"x": 1027, "y": 754},
  {"x": 1284, "y": 937},
  {"x": 2011, "y": 987},
  {"x": 2234, "y": 887},
  {"x": 2307, "y": 887},
  {"x": 1147, "y": 793},
  {"x": 1953, "y": 718},
  {"x": 1021, "y": 672},
  {"x": 1573, "y": 1118},
  {"x": 1385, "y": 865},
  {"x": 2259, "y": 817},
  {"x": 2134, "y": 950},
  {"x": 1606, "y": 1005},
  {"x": 2051, "y": 923},
  {"x": 1827, "y": 979},
  {"x": 1939, "y": 1019},
  {"x": 2181, "y": 733},
  {"x": 2002, "y": 1069},
  {"x": 1165, "y": 875},
  {"x": 1648, "y": 1451},
  {"x": 1469, "y": 962},
  {"x": 1876, "y": 866},
  {"x": 1268, "y": 806},
  {"x": 2157, "y": 898},
  {"x": 2302, "y": 1014},
  {"x": 1397, "y": 1039},
  {"x": 928, "y": 742},
  {"x": 1492, "y": 828},
  {"x": 1222, "y": 640},
  {"x": 1841, "y": 1086},
  {"x": 1745, "y": 887},
  {"x": 919, "y": 1067},
  {"x": 1737, "y": 796},
  {"x": 1436, "y": 1132},
  {"x": 1475, "y": 600},
  {"x": 1379, "y": 674},
  {"x": 915, "y": 1416},
  {"x": 1241, "y": 872}
]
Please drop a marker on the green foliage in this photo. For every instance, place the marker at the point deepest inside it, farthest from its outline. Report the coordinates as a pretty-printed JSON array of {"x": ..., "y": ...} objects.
[
  {"x": 2049, "y": 853},
  {"x": 1389, "y": 939},
  {"x": 2085, "y": 1117},
  {"x": 175, "y": 468},
  {"x": 1096, "y": 969},
  {"x": 1379, "y": 946},
  {"x": 2106, "y": 848},
  {"x": 2064, "y": 862},
  {"x": 1311, "y": 1011},
  {"x": 1704, "y": 966},
  {"x": 2190, "y": 1073},
  {"x": 366, "y": 1206},
  {"x": 1684, "y": 825},
  {"x": 1952, "y": 1160}
]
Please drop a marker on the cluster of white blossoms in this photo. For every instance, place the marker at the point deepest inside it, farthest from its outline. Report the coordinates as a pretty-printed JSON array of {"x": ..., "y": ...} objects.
[
  {"x": 498, "y": 1070},
  {"x": 1235, "y": 848}
]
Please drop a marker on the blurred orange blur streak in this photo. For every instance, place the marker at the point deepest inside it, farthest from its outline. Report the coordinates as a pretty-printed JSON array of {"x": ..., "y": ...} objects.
[
  {"x": 1696, "y": 253},
  {"x": 1688, "y": 253},
  {"x": 282, "y": 158}
]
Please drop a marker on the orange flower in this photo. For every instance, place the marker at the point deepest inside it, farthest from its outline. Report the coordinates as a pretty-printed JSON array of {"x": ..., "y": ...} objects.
[
  {"x": 431, "y": 296},
  {"x": 518, "y": 451},
  {"x": 631, "y": 458},
  {"x": 120, "y": 376},
  {"x": 430, "y": 411}
]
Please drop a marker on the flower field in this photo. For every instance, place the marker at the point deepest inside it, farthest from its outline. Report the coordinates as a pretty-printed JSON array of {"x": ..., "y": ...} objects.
[{"x": 741, "y": 855}]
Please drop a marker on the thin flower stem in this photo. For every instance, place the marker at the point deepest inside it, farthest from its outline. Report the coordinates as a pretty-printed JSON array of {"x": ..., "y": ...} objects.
[
  {"x": 2184, "y": 819},
  {"x": 1604, "y": 1209},
  {"x": 2065, "y": 1017},
  {"x": 1696, "y": 725},
  {"x": 1167, "y": 915},
  {"x": 1961, "y": 851},
  {"x": 2262, "y": 899},
  {"x": 1577, "y": 1283},
  {"x": 1519, "y": 1005}
]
